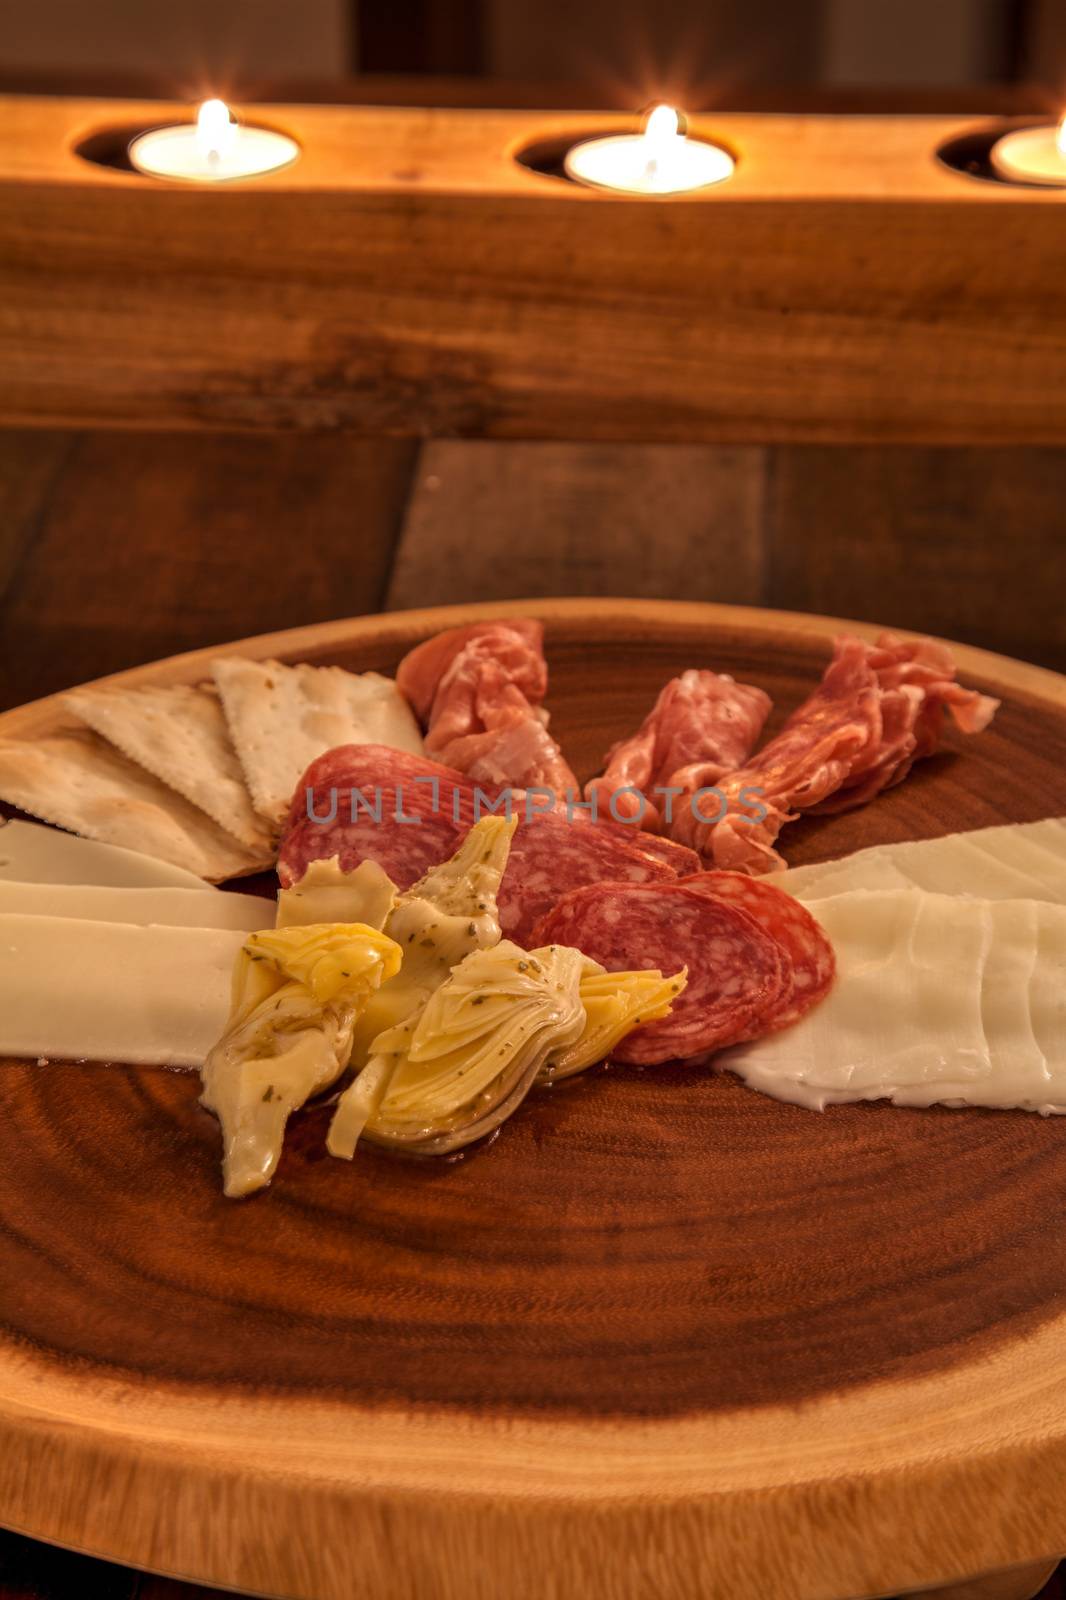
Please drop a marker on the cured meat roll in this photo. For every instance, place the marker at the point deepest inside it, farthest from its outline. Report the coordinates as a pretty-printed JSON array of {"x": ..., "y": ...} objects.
[
  {"x": 877, "y": 709},
  {"x": 702, "y": 725},
  {"x": 916, "y": 679},
  {"x": 738, "y": 972},
  {"x": 479, "y": 692}
]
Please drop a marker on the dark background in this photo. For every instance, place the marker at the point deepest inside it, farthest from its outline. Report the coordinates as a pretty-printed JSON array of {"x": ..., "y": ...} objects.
[{"x": 616, "y": 52}]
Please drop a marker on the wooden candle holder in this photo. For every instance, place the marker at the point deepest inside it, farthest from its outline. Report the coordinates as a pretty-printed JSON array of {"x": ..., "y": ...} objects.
[{"x": 409, "y": 276}]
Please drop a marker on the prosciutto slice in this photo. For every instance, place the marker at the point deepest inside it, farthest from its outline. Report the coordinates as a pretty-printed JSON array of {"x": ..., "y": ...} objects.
[
  {"x": 478, "y": 691},
  {"x": 916, "y": 679},
  {"x": 702, "y": 725},
  {"x": 878, "y": 709}
]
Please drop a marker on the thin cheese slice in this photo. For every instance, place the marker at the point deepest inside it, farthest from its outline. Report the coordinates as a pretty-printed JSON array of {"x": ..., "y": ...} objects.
[
  {"x": 107, "y": 991},
  {"x": 938, "y": 999},
  {"x": 32, "y": 853},
  {"x": 168, "y": 908},
  {"x": 1016, "y": 861}
]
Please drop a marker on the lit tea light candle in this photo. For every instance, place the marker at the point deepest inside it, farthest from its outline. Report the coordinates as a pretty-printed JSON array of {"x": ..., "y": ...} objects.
[
  {"x": 659, "y": 160},
  {"x": 1033, "y": 155},
  {"x": 213, "y": 149}
]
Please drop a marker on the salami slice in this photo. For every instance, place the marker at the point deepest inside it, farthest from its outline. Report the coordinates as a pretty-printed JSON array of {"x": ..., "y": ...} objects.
[
  {"x": 737, "y": 972},
  {"x": 678, "y": 857},
  {"x": 550, "y": 856},
  {"x": 804, "y": 942},
  {"x": 371, "y": 803}
]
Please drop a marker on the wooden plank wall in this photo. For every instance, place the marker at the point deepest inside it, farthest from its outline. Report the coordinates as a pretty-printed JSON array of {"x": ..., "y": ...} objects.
[{"x": 115, "y": 549}]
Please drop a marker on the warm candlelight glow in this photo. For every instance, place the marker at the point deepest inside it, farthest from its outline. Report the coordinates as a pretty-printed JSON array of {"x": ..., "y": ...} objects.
[
  {"x": 215, "y": 131},
  {"x": 1060, "y": 138},
  {"x": 663, "y": 124},
  {"x": 213, "y": 149},
  {"x": 659, "y": 160}
]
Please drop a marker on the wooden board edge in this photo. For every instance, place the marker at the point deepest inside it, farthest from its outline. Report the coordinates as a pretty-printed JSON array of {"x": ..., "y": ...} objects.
[{"x": 296, "y": 643}]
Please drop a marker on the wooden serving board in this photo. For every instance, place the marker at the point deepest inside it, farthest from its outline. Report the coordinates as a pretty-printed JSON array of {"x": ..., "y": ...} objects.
[{"x": 663, "y": 1337}]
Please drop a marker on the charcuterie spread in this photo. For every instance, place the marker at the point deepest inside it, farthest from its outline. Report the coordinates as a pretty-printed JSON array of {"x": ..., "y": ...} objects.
[{"x": 460, "y": 923}]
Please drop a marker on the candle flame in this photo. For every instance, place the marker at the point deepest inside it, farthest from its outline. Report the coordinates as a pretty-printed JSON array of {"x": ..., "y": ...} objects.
[
  {"x": 663, "y": 125},
  {"x": 214, "y": 129},
  {"x": 1061, "y": 139}
]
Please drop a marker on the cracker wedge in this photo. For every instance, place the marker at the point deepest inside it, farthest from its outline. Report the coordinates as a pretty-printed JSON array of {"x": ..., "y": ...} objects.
[
  {"x": 280, "y": 718},
  {"x": 79, "y": 782},
  {"x": 178, "y": 733}
]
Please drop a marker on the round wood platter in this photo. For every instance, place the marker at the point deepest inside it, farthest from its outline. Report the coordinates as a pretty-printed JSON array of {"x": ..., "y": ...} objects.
[{"x": 663, "y": 1336}]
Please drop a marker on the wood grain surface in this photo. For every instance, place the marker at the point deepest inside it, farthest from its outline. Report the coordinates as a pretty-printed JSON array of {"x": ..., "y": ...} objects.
[
  {"x": 123, "y": 548},
  {"x": 663, "y": 1329},
  {"x": 489, "y": 519},
  {"x": 31, "y": 1570},
  {"x": 409, "y": 276},
  {"x": 116, "y": 548}
]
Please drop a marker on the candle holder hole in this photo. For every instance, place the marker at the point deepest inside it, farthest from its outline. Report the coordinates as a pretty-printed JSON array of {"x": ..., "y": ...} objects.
[
  {"x": 109, "y": 147},
  {"x": 971, "y": 154}
]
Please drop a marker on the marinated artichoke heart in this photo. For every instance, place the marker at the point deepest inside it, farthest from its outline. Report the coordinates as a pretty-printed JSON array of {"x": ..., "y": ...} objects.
[
  {"x": 326, "y": 894},
  {"x": 295, "y": 998},
  {"x": 446, "y": 915},
  {"x": 615, "y": 1003},
  {"x": 460, "y": 1066}
]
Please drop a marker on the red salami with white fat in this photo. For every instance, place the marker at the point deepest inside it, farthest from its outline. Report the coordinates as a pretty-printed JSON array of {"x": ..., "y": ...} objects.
[
  {"x": 369, "y": 802},
  {"x": 352, "y": 803},
  {"x": 678, "y": 857},
  {"x": 738, "y": 973},
  {"x": 550, "y": 856},
  {"x": 804, "y": 942}
]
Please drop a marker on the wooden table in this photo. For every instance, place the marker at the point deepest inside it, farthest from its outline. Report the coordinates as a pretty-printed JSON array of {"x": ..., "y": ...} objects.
[{"x": 117, "y": 549}]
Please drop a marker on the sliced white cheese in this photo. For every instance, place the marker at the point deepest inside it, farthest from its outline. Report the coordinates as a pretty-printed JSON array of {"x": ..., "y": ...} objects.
[
  {"x": 169, "y": 908},
  {"x": 1016, "y": 861},
  {"x": 938, "y": 998},
  {"x": 32, "y": 853},
  {"x": 108, "y": 991}
]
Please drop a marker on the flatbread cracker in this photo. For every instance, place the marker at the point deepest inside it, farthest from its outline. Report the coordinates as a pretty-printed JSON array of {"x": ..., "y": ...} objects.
[
  {"x": 281, "y": 718},
  {"x": 79, "y": 782},
  {"x": 178, "y": 733}
]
